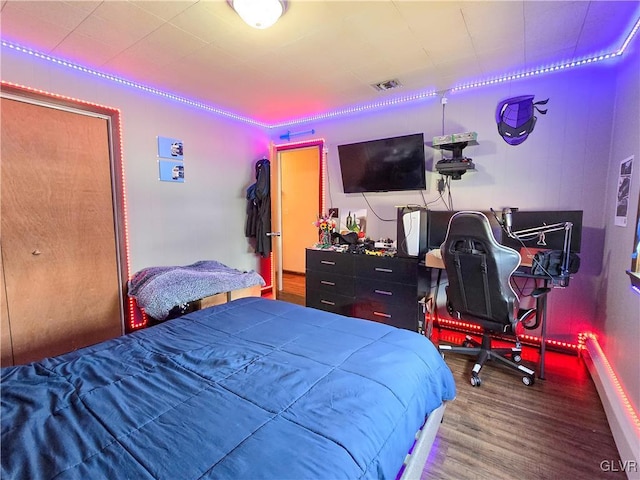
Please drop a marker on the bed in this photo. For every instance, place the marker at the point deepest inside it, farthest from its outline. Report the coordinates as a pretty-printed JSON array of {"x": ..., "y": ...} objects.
[
  {"x": 254, "y": 388},
  {"x": 163, "y": 293}
]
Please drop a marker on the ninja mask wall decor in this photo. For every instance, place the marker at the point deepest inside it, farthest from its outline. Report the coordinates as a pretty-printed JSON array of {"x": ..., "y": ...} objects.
[{"x": 516, "y": 118}]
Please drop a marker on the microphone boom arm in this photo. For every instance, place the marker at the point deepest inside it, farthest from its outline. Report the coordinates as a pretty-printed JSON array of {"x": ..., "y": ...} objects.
[{"x": 529, "y": 233}]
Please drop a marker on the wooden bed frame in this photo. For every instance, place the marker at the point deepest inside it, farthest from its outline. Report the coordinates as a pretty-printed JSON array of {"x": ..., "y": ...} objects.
[
  {"x": 416, "y": 459},
  {"x": 210, "y": 301},
  {"x": 224, "y": 297}
]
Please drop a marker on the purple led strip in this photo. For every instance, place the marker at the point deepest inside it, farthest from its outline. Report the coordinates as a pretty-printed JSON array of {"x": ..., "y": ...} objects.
[{"x": 334, "y": 113}]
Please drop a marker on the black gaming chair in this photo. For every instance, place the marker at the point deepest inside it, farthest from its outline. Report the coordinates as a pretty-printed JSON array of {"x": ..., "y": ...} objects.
[{"x": 479, "y": 270}]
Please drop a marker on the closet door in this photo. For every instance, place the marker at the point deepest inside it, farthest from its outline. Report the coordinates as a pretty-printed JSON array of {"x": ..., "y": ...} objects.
[
  {"x": 6, "y": 352},
  {"x": 58, "y": 232}
]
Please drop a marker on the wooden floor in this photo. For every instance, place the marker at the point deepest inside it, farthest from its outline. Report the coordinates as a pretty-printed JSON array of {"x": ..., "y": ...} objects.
[
  {"x": 555, "y": 429},
  {"x": 293, "y": 288}
]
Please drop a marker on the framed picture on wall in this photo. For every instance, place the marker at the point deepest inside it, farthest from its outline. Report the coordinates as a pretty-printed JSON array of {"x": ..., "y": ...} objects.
[
  {"x": 624, "y": 188},
  {"x": 170, "y": 148},
  {"x": 634, "y": 271},
  {"x": 635, "y": 255},
  {"x": 171, "y": 171}
]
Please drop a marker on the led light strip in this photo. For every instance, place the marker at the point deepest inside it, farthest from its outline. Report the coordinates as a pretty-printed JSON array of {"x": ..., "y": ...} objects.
[
  {"x": 467, "y": 86},
  {"x": 358, "y": 109},
  {"x": 125, "y": 222},
  {"x": 553, "y": 68},
  {"x": 324, "y": 173},
  {"x": 582, "y": 339},
  {"x": 612, "y": 375},
  {"x": 115, "y": 115},
  {"x": 340, "y": 112},
  {"x": 627, "y": 40},
  {"x": 464, "y": 326},
  {"x": 320, "y": 142},
  {"x": 122, "y": 81},
  {"x": 536, "y": 72}
]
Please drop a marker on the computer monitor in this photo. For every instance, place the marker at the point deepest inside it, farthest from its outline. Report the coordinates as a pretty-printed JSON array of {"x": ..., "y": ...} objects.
[
  {"x": 525, "y": 220},
  {"x": 437, "y": 225}
]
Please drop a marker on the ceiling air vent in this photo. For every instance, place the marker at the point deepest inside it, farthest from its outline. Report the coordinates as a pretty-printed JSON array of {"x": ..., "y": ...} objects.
[{"x": 387, "y": 85}]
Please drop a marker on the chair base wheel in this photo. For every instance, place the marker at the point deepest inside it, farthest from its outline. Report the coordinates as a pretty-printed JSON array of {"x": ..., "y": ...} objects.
[
  {"x": 475, "y": 381},
  {"x": 528, "y": 380},
  {"x": 517, "y": 358}
]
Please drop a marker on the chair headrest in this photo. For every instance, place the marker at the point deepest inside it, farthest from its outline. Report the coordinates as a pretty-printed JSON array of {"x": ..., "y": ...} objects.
[{"x": 471, "y": 224}]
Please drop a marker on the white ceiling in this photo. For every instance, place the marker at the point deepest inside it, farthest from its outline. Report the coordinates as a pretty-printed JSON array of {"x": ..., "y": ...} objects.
[{"x": 321, "y": 55}]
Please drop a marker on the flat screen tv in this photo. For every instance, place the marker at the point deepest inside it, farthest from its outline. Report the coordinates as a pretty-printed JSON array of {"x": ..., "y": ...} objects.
[{"x": 384, "y": 165}]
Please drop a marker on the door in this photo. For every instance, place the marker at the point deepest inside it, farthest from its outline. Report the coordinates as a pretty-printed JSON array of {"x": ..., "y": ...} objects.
[
  {"x": 297, "y": 183},
  {"x": 6, "y": 353},
  {"x": 59, "y": 247}
]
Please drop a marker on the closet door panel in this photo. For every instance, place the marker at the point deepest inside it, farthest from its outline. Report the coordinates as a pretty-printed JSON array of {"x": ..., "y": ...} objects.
[
  {"x": 58, "y": 230},
  {"x": 6, "y": 351}
]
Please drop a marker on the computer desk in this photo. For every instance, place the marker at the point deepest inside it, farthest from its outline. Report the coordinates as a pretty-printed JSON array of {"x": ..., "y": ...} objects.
[{"x": 433, "y": 260}]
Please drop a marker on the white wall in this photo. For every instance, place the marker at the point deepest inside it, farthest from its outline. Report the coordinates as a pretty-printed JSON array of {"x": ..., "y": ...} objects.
[
  {"x": 618, "y": 318},
  {"x": 561, "y": 166},
  {"x": 569, "y": 162},
  {"x": 169, "y": 223}
]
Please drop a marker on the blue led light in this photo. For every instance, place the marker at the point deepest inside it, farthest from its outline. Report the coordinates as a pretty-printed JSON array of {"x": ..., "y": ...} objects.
[
  {"x": 626, "y": 42},
  {"x": 418, "y": 96},
  {"x": 467, "y": 86},
  {"x": 122, "y": 81},
  {"x": 358, "y": 109}
]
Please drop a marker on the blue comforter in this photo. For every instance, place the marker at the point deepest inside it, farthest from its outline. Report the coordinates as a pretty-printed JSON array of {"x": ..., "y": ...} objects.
[{"x": 254, "y": 388}]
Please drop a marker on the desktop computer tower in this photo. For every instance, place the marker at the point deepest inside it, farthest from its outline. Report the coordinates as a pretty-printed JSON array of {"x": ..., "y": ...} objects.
[{"x": 412, "y": 232}]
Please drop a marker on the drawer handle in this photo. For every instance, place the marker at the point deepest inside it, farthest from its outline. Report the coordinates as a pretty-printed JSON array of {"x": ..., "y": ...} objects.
[
  {"x": 385, "y": 270},
  {"x": 383, "y": 292},
  {"x": 327, "y": 302},
  {"x": 326, "y": 282},
  {"x": 327, "y": 262},
  {"x": 380, "y": 314}
]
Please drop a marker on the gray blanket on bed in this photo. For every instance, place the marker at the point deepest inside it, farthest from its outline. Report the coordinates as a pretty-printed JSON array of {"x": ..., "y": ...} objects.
[{"x": 158, "y": 289}]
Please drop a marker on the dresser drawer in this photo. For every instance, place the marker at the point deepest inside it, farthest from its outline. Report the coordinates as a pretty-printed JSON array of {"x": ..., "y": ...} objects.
[
  {"x": 401, "y": 316},
  {"x": 386, "y": 292},
  {"x": 390, "y": 269},
  {"x": 330, "y": 282},
  {"x": 330, "y": 302},
  {"x": 332, "y": 262}
]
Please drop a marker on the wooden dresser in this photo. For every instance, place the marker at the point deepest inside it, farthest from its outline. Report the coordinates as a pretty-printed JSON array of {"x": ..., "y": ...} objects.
[
  {"x": 330, "y": 282},
  {"x": 383, "y": 289}
]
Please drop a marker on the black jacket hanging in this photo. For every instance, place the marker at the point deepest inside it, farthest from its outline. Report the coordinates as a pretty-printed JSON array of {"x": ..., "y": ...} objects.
[{"x": 258, "y": 223}]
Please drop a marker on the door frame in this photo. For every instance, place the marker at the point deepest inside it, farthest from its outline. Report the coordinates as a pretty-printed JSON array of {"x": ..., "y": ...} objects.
[
  {"x": 128, "y": 317},
  {"x": 276, "y": 199}
]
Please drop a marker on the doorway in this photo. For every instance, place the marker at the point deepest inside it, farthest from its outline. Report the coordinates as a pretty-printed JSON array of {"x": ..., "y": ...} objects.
[{"x": 298, "y": 183}]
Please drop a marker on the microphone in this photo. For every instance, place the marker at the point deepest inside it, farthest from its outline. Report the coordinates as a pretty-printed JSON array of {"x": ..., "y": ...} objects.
[{"x": 507, "y": 219}]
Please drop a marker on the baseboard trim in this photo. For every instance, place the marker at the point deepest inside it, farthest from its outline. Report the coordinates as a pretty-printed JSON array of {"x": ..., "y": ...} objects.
[{"x": 622, "y": 418}]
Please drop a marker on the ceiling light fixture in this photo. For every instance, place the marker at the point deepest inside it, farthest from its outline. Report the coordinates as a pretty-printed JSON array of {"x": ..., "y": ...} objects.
[{"x": 259, "y": 13}]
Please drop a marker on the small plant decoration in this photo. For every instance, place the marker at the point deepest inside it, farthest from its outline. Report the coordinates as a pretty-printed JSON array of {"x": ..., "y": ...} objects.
[{"x": 326, "y": 225}]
